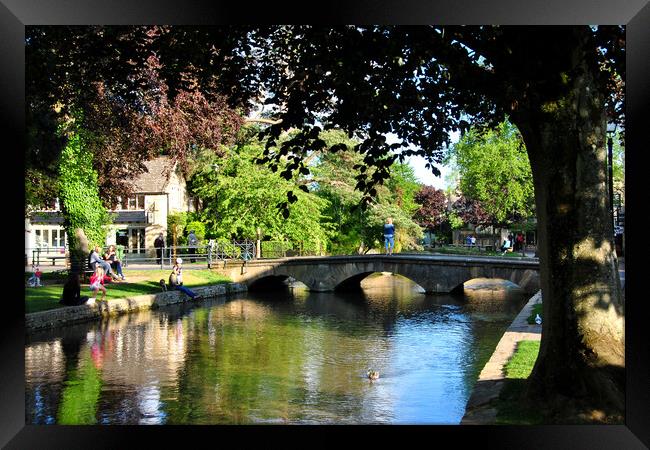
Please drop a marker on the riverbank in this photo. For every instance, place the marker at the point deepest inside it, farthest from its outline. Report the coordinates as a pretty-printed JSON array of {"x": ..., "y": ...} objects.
[
  {"x": 139, "y": 282},
  {"x": 74, "y": 314},
  {"x": 479, "y": 409}
]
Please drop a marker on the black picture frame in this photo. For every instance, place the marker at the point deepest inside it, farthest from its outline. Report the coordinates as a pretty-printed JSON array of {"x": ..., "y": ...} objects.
[{"x": 635, "y": 14}]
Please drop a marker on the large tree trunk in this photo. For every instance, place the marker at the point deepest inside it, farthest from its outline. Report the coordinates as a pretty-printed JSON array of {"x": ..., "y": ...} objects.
[{"x": 582, "y": 349}]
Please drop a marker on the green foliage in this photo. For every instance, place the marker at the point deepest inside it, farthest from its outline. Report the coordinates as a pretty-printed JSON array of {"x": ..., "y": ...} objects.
[
  {"x": 402, "y": 186},
  {"x": 176, "y": 223},
  {"x": 454, "y": 221},
  {"x": 79, "y": 195},
  {"x": 494, "y": 170},
  {"x": 241, "y": 196},
  {"x": 360, "y": 230}
]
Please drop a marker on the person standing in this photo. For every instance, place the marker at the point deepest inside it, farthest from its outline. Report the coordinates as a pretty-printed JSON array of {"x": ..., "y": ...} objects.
[
  {"x": 159, "y": 243},
  {"x": 473, "y": 241},
  {"x": 192, "y": 242},
  {"x": 97, "y": 282},
  {"x": 520, "y": 241},
  {"x": 389, "y": 236}
]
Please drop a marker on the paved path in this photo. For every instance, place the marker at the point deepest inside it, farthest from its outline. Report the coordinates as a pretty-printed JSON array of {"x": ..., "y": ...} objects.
[{"x": 490, "y": 380}]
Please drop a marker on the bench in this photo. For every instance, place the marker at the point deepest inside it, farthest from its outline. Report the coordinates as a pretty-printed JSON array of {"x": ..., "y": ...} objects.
[{"x": 54, "y": 258}]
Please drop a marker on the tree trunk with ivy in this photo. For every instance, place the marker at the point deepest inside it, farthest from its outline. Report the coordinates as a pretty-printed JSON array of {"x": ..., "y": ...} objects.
[
  {"x": 583, "y": 347},
  {"x": 84, "y": 216}
]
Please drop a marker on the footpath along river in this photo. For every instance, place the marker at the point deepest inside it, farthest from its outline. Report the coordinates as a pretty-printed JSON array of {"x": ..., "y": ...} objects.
[{"x": 288, "y": 356}]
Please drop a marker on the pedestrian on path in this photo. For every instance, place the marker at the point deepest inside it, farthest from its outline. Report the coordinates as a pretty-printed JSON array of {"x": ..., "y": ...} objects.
[
  {"x": 389, "y": 236},
  {"x": 192, "y": 242},
  {"x": 159, "y": 243}
]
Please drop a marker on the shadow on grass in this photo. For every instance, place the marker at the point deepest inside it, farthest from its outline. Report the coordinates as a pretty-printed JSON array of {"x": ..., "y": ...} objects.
[{"x": 512, "y": 406}]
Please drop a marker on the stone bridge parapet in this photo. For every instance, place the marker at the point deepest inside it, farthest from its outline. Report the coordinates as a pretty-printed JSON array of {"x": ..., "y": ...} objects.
[{"x": 434, "y": 273}]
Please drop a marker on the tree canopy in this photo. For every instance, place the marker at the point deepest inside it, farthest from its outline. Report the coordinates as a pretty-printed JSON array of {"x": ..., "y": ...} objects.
[
  {"x": 558, "y": 84},
  {"x": 494, "y": 171}
]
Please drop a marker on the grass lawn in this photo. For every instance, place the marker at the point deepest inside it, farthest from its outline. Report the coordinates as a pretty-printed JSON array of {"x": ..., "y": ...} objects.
[
  {"x": 138, "y": 282},
  {"x": 510, "y": 409}
]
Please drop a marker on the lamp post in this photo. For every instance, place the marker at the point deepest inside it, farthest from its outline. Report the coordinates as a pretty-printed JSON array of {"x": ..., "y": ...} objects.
[{"x": 611, "y": 130}]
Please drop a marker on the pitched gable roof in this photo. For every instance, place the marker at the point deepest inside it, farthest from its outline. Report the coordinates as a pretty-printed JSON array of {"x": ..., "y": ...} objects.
[{"x": 156, "y": 177}]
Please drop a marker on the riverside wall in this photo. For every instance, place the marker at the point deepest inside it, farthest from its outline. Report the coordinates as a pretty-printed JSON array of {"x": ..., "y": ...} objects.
[{"x": 66, "y": 315}]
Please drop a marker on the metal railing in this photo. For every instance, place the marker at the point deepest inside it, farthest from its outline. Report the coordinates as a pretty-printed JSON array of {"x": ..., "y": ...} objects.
[
  {"x": 207, "y": 253},
  {"x": 168, "y": 255},
  {"x": 244, "y": 250}
]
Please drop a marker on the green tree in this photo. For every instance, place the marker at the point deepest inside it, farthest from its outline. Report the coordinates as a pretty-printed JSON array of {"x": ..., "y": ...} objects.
[
  {"x": 79, "y": 194},
  {"x": 176, "y": 223},
  {"x": 559, "y": 85},
  {"x": 238, "y": 196},
  {"x": 494, "y": 170},
  {"x": 359, "y": 230}
]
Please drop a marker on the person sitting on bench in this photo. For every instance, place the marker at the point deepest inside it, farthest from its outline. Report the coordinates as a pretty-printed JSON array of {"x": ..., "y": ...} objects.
[
  {"x": 94, "y": 260},
  {"x": 506, "y": 247}
]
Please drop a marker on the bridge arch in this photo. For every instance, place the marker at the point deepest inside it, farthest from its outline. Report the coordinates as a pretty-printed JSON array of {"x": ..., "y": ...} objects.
[{"x": 435, "y": 274}]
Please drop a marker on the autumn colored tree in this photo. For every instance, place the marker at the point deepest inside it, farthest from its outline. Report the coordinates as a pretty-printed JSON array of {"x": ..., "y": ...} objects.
[{"x": 433, "y": 207}]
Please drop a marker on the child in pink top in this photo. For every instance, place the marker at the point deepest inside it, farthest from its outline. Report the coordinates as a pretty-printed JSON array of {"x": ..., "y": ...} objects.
[{"x": 97, "y": 282}]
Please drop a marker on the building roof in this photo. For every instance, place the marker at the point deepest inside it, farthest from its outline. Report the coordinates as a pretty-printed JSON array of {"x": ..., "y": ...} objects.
[{"x": 157, "y": 176}]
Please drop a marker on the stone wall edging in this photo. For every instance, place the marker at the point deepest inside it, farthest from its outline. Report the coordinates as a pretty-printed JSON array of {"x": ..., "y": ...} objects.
[
  {"x": 74, "y": 314},
  {"x": 478, "y": 410}
]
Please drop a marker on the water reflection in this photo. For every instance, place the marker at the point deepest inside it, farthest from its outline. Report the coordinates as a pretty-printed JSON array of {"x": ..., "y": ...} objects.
[{"x": 273, "y": 357}]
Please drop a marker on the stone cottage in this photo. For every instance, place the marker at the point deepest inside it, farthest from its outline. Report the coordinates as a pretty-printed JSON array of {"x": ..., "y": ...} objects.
[{"x": 137, "y": 221}]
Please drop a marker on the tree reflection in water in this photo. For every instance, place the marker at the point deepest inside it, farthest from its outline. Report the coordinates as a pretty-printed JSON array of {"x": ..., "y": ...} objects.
[{"x": 273, "y": 357}]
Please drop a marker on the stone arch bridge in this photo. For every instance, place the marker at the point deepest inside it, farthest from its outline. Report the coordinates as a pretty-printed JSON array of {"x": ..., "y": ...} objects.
[{"x": 434, "y": 273}]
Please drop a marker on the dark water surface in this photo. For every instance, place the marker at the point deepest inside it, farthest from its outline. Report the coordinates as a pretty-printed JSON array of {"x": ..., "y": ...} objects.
[{"x": 273, "y": 357}]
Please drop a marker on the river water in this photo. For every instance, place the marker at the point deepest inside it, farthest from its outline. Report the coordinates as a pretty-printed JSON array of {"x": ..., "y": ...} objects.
[{"x": 285, "y": 357}]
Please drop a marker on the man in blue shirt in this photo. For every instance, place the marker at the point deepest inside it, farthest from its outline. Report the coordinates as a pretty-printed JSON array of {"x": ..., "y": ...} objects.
[{"x": 389, "y": 236}]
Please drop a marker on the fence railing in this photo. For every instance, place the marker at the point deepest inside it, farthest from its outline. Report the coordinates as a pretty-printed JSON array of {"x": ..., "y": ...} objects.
[{"x": 207, "y": 253}]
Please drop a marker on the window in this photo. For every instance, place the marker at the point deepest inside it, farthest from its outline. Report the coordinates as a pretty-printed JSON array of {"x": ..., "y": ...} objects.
[
  {"x": 133, "y": 203},
  {"x": 46, "y": 238},
  {"x": 136, "y": 242}
]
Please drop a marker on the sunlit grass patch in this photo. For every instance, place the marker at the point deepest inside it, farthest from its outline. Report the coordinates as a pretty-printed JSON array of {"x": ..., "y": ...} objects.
[
  {"x": 522, "y": 361},
  {"x": 144, "y": 282}
]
